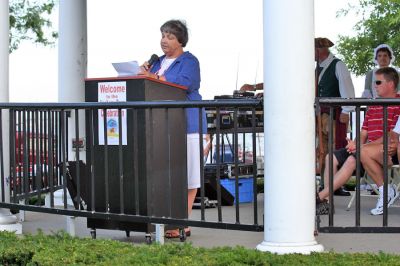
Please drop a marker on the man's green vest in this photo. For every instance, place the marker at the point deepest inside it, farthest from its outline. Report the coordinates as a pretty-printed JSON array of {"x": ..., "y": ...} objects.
[{"x": 328, "y": 86}]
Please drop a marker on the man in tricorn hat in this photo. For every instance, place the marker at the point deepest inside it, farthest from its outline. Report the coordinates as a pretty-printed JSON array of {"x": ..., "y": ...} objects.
[{"x": 332, "y": 80}]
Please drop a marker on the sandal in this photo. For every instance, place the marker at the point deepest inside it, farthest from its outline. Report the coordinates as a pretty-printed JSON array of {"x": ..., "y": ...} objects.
[
  {"x": 187, "y": 231},
  {"x": 172, "y": 234},
  {"x": 175, "y": 233}
]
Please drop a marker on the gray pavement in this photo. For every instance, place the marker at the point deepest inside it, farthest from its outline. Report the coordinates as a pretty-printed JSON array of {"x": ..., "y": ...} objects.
[{"x": 205, "y": 237}]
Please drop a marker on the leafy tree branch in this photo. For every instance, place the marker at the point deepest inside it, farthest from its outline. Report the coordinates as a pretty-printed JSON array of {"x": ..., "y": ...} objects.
[
  {"x": 30, "y": 20},
  {"x": 380, "y": 23}
]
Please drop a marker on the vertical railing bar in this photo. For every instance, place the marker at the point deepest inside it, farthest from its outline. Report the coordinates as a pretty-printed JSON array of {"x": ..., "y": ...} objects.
[
  {"x": 135, "y": 159},
  {"x": 120, "y": 163},
  {"x": 218, "y": 162},
  {"x": 77, "y": 160},
  {"x": 45, "y": 154},
  {"x": 20, "y": 144},
  {"x": 50, "y": 156},
  {"x": 57, "y": 145},
  {"x": 106, "y": 184},
  {"x": 60, "y": 144},
  {"x": 13, "y": 148},
  {"x": 26, "y": 156},
  {"x": 244, "y": 148},
  {"x": 255, "y": 170},
  {"x": 236, "y": 147},
  {"x": 63, "y": 130},
  {"x": 92, "y": 166},
  {"x": 351, "y": 125},
  {"x": 358, "y": 168},
  {"x": 202, "y": 185},
  {"x": 29, "y": 150},
  {"x": 169, "y": 174},
  {"x": 41, "y": 150},
  {"x": 330, "y": 149},
  {"x": 150, "y": 180},
  {"x": 385, "y": 164},
  {"x": 38, "y": 176},
  {"x": 67, "y": 116}
]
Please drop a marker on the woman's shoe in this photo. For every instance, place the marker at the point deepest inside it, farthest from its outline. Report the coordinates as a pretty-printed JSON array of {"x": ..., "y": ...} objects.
[
  {"x": 175, "y": 233},
  {"x": 172, "y": 233},
  {"x": 187, "y": 231}
]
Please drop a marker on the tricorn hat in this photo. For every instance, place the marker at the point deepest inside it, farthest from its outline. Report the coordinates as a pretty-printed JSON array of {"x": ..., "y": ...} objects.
[{"x": 323, "y": 43}]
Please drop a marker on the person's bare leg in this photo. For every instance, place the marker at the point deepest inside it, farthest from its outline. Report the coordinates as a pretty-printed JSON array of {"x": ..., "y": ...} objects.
[
  {"x": 191, "y": 197},
  {"x": 372, "y": 160},
  {"x": 341, "y": 177},
  {"x": 326, "y": 170}
]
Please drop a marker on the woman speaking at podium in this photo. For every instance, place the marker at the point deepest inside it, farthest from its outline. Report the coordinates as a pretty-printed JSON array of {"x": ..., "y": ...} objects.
[{"x": 182, "y": 68}]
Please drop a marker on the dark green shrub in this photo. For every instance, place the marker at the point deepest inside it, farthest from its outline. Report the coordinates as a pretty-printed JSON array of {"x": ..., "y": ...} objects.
[{"x": 62, "y": 249}]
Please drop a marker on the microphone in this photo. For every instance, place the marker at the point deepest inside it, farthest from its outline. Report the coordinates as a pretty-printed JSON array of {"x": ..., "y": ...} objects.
[{"x": 152, "y": 60}]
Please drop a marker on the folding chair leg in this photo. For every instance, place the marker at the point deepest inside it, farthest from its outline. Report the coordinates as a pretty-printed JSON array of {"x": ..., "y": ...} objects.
[
  {"x": 367, "y": 181},
  {"x": 351, "y": 201}
]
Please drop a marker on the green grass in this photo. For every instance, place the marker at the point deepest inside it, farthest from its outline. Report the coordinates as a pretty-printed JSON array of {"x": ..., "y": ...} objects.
[{"x": 62, "y": 249}]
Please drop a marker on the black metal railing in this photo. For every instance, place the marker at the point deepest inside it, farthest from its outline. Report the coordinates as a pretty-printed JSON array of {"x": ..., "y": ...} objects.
[
  {"x": 105, "y": 178},
  {"x": 34, "y": 153},
  {"x": 370, "y": 224}
]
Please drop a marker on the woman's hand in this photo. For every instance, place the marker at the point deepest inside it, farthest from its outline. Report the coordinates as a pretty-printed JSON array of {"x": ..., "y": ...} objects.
[
  {"x": 147, "y": 73},
  {"x": 145, "y": 66}
]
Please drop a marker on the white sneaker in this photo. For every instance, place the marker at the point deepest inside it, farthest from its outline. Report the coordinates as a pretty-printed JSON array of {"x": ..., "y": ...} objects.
[{"x": 393, "y": 195}]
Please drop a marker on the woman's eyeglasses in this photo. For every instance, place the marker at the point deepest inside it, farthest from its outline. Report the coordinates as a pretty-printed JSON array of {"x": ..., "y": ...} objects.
[{"x": 378, "y": 82}]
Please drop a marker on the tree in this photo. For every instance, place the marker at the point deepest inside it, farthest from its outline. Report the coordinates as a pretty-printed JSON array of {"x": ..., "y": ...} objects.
[
  {"x": 30, "y": 20},
  {"x": 380, "y": 23}
]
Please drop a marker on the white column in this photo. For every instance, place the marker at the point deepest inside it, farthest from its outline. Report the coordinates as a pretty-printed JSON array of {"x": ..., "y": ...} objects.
[
  {"x": 289, "y": 127},
  {"x": 72, "y": 64},
  {"x": 72, "y": 61},
  {"x": 8, "y": 222}
]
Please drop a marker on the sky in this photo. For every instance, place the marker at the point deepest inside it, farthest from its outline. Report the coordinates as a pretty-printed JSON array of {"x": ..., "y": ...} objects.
[{"x": 225, "y": 35}]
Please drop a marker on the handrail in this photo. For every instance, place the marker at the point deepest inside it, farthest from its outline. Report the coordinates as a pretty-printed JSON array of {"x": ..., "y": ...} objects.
[
  {"x": 357, "y": 101},
  {"x": 138, "y": 104}
]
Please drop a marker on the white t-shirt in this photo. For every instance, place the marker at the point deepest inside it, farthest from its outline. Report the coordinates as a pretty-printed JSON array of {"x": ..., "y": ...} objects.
[{"x": 166, "y": 62}]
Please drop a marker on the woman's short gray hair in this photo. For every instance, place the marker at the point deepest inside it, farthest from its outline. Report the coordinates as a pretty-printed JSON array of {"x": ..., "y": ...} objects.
[{"x": 177, "y": 28}]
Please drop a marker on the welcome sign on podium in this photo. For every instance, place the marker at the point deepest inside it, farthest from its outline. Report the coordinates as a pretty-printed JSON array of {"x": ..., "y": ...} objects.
[
  {"x": 112, "y": 91},
  {"x": 153, "y": 152}
]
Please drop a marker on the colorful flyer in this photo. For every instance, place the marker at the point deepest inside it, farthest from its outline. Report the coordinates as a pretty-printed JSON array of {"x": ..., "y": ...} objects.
[{"x": 112, "y": 92}]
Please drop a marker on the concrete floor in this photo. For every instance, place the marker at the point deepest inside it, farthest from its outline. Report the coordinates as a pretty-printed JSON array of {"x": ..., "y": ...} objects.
[{"x": 205, "y": 237}]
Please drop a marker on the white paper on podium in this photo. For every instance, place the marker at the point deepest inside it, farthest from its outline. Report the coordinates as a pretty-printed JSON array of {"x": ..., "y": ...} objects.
[{"x": 124, "y": 69}]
